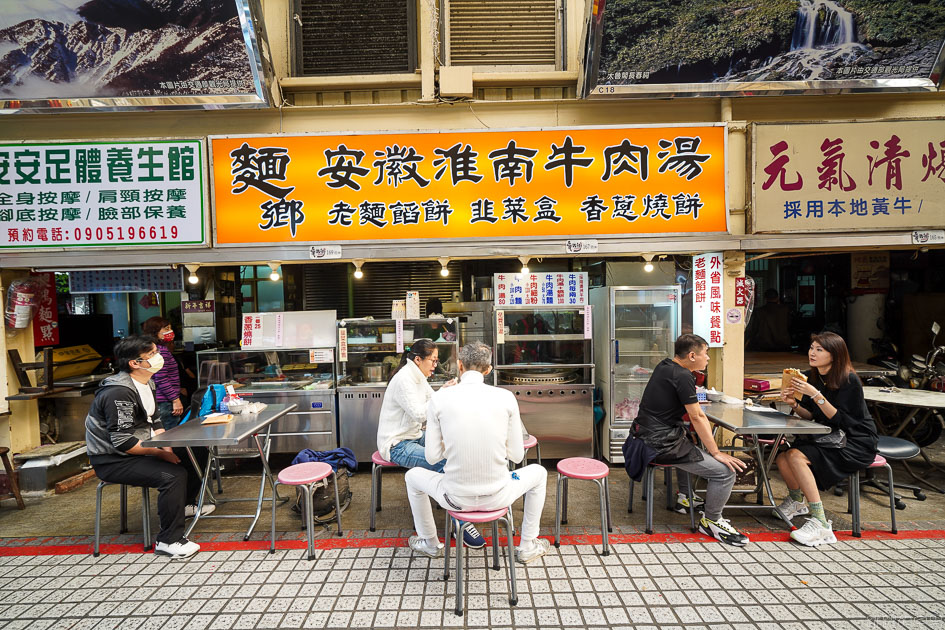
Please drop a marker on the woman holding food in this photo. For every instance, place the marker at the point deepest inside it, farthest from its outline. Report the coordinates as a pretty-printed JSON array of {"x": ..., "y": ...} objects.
[{"x": 831, "y": 394}]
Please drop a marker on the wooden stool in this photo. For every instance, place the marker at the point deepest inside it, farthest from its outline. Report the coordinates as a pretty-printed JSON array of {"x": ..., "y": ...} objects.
[
  {"x": 589, "y": 470},
  {"x": 455, "y": 518},
  {"x": 304, "y": 476},
  {"x": 378, "y": 465},
  {"x": 14, "y": 486}
]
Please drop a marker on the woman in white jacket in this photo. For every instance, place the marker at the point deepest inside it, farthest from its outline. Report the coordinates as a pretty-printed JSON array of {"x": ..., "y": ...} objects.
[{"x": 400, "y": 435}]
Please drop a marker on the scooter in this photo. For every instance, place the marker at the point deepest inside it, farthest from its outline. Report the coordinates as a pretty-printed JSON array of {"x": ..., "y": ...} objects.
[{"x": 928, "y": 372}]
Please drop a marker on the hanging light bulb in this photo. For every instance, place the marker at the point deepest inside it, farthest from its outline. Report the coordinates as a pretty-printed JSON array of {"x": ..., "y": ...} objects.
[
  {"x": 357, "y": 269},
  {"x": 524, "y": 260},
  {"x": 274, "y": 276},
  {"x": 648, "y": 267},
  {"x": 444, "y": 271},
  {"x": 192, "y": 278}
]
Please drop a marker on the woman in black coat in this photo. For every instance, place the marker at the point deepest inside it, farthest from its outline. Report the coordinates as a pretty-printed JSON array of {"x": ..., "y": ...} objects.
[{"x": 833, "y": 396}]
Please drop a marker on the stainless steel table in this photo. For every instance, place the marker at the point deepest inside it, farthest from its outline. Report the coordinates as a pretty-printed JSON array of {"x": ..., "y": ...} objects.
[
  {"x": 241, "y": 427},
  {"x": 917, "y": 402},
  {"x": 747, "y": 422}
]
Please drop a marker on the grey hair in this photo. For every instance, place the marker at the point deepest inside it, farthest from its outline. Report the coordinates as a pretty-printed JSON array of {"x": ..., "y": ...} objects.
[{"x": 476, "y": 356}]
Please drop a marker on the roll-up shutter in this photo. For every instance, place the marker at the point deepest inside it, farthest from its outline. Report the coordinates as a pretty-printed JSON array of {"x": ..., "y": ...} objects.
[
  {"x": 326, "y": 286},
  {"x": 344, "y": 37},
  {"x": 502, "y": 32}
]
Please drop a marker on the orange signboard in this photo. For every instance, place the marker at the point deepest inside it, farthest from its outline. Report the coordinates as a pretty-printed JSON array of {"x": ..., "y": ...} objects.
[{"x": 469, "y": 184}]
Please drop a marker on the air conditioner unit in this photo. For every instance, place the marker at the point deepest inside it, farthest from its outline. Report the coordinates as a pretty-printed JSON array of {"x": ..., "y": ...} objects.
[
  {"x": 333, "y": 37},
  {"x": 527, "y": 34}
]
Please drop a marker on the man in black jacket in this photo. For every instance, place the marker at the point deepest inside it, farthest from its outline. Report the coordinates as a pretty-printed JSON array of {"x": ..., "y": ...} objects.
[
  {"x": 669, "y": 395},
  {"x": 122, "y": 416}
]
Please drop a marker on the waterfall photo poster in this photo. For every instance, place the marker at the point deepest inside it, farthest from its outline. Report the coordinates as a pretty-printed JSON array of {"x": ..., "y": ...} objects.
[
  {"x": 60, "y": 55},
  {"x": 642, "y": 47}
]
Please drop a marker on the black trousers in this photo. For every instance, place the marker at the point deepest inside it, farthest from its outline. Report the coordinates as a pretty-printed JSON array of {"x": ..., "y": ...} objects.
[{"x": 174, "y": 484}]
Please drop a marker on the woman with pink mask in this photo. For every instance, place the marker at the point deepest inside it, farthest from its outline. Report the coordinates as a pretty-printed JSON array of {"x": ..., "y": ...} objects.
[{"x": 167, "y": 379}]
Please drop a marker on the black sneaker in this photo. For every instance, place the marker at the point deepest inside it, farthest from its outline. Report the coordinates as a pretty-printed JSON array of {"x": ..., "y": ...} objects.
[
  {"x": 723, "y": 531},
  {"x": 682, "y": 503},
  {"x": 471, "y": 537}
]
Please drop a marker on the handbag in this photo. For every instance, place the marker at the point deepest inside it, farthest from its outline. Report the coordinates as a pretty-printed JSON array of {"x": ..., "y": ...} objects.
[{"x": 835, "y": 439}]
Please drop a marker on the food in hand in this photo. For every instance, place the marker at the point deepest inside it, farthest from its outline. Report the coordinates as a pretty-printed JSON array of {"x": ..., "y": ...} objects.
[{"x": 788, "y": 375}]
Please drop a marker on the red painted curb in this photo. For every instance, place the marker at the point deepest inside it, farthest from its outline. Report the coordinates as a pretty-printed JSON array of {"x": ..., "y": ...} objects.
[{"x": 368, "y": 543}]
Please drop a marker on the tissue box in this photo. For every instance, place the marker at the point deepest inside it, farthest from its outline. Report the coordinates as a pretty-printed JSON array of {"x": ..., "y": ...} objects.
[{"x": 757, "y": 384}]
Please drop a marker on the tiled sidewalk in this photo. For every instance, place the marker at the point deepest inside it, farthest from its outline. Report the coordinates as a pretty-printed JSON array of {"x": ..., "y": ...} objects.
[{"x": 882, "y": 582}]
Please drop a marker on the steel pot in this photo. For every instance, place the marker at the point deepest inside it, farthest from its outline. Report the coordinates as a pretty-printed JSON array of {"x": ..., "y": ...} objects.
[{"x": 373, "y": 372}]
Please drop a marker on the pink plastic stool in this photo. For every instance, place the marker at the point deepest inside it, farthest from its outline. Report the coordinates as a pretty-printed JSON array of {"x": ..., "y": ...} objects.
[
  {"x": 457, "y": 519},
  {"x": 589, "y": 470},
  {"x": 378, "y": 464},
  {"x": 529, "y": 444},
  {"x": 305, "y": 476},
  {"x": 854, "y": 496}
]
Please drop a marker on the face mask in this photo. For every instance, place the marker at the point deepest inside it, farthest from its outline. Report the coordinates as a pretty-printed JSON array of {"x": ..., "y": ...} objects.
[
  {"x": 168, "y": 336},
  {"x": 157, "y": 362}
]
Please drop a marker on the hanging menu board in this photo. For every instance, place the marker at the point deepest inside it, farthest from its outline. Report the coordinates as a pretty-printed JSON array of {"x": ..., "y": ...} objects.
[
  {"x": 560, "y": 288},
  {"x": 293, "y": 329}
]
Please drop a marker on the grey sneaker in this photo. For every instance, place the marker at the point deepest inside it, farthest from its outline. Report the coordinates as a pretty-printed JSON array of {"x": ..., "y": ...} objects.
[
  {"x": 814, "y": 533},
  {"x": 791, "y": 508},
  {"x": 190, "y": 510},
  {"x": 534, "y": 552},
  {"x": 422, "y": 545}
]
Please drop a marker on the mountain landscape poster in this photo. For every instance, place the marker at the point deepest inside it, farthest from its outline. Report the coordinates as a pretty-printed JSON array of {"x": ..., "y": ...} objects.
[
  {"x": 123, "y": 54},
  {"x": 637, "y": 47}
]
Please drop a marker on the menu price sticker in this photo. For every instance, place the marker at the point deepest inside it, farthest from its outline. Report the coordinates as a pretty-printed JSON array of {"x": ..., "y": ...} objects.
[
  {"x": 588, "y": 324},
  {"x": 279, "y": 329},
  {"x": 319, "y": 356},
  {"x": 563, "y": 288},
  {"x": 500, "y": 327},
  {"x": 342, "y": 344},
  {"x": 399, "y": 328}
]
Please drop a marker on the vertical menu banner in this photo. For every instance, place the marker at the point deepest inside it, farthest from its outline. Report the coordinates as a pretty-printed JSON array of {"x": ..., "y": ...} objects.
[{"x": 707, "y": 298}]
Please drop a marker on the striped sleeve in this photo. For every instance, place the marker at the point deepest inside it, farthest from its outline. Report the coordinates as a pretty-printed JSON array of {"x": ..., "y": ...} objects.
[{"x": 167, "y": 381}]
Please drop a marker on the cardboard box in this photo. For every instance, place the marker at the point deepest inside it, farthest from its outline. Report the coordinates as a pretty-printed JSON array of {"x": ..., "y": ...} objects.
[{"x": 757, "y": 385}]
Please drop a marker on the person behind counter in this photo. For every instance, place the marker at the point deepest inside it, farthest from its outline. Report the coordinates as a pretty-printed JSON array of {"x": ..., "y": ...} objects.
[
  {"x": 832, "y": 395},
  {"x": 123, "y": 414},
  {"x": 479, "y": 430},
  {"x": 670, "y": 394},
  {"x": 167, "y": 379}
]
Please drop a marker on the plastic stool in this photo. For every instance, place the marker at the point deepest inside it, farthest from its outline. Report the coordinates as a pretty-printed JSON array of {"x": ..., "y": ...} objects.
[
  {"x": 457, "y": 519},
  {"x": 853, "y": 498},
  {"x": 529, "y": 444},
  {"x": 590, "y": 470},
  {"x": 378, "y": 465},
  {"x": 305, "y": 476},
  {"x": 145, "y": 514}
]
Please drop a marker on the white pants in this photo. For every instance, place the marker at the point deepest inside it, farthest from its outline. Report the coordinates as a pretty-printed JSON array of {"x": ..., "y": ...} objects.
[{"x": 422, "y": 483}]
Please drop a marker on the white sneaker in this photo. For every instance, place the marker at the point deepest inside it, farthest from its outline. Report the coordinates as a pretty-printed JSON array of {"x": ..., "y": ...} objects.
[
  {"x": 814, "y": 533},
  {"x": 791, "y": 508},
  {"x": 537, "y": 549},
  {"x": 183, "y": 548},
  {"x": 191, "y": 510},
  {"x": 422, "y": 545}
]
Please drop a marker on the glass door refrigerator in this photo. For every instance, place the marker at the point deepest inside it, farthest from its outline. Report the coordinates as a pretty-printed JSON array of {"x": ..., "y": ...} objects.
[{"x": 634, "y": 329}]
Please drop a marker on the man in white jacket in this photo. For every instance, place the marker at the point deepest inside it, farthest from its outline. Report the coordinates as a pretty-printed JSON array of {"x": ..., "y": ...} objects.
[{"x": 477, "y": 428}]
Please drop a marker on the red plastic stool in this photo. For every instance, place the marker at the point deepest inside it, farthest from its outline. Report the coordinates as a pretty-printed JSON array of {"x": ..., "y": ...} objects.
[
  {"x": 854, "y": 496},
  {"x": 305, "y": 476},
  {"x": 457, "y": 519},
  {"x": 590, "y": 470},
  {"x": 378, "y": 465}
]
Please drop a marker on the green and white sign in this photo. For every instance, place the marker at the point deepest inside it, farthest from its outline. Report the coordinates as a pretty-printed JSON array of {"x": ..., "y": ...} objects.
[{"x": 102, "y": 194}]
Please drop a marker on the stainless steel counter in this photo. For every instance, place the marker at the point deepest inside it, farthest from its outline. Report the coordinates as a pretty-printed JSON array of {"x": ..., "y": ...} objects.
[{"x": 312, "y": 424}]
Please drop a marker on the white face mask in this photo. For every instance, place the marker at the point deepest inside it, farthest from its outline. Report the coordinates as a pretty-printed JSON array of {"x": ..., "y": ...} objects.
[{"x": 157, "y": 362}]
